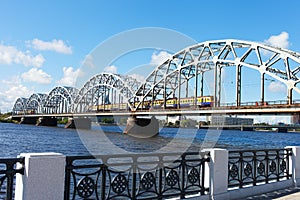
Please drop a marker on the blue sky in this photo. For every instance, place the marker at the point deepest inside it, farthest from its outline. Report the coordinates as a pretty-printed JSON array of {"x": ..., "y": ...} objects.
[{"x": 43, "y": 43}]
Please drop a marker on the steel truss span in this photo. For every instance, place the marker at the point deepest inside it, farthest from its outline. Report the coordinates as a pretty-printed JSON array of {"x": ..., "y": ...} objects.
[
  {"x": 20, "y": 106},
  {"x": 104, "y": 90},
  {"x": 178, "y": 82},
  {"x": 167, "y": 80},
  {"x": 60, "y": 100},
  {"x": 35, "y": 103}
]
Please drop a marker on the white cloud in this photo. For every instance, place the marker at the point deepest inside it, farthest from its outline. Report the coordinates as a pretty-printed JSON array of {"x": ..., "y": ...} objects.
[
  {"x": 159, "y": 58},
  {"x": 138, "y": 77},
  {"x": 277, "y": 87},
  {"x": 111, "y": 69},
  {"x": 281, "y": 40},
  {"x": 10, "y": 91},
  {"x": 37, "y": 75},
  {"x": 10, "y": 55},
  {"x": 54, "y": 45},
  {"x": 70, "y": 76}
]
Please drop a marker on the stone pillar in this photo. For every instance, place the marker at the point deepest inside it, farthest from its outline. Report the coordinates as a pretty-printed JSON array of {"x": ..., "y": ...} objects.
[
  {"x": 28, "y": 120},
  {"x": 142, "y": 127},
  {"x": 43, "y": 177},
  {"x": 246, "y": 128},
  {"x": 282, "y": 129},
  {"x": 47, "y": 121},
  {"x": 295, "y": 165},
  {"x": 218, "y": 173},
  {"x": 79, "y": 123}
]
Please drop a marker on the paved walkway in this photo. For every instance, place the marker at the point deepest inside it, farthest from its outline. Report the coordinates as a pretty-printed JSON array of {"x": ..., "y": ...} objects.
[{"x": 286, "y": 194}]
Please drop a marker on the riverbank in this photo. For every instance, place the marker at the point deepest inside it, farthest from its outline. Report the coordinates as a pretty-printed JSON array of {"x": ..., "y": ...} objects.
[{"x": 6, "y": 118}]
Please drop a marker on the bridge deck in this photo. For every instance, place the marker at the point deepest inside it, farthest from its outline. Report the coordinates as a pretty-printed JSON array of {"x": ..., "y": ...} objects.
[{"x": 272, "y": 110}]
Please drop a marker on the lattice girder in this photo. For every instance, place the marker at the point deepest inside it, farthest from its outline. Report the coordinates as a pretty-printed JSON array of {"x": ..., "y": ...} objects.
[
  {"x": 97, "y": 87},
  {"x": 35, "y": 103},
  {"x": 20, "y": 106},
  {"x": 281, "y": 64},
  {"x": 60, "y": 100}
]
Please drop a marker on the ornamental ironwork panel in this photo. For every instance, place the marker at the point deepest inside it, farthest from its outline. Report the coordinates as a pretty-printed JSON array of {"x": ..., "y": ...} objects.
[
  {"x": 8, "y": 171},
  {"x": 252, "y": 167},
  {"x": 143, "y": 176}
]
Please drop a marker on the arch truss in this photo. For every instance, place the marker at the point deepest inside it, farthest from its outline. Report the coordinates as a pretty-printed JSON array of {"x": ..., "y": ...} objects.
[
  {"x": 60, "y": 100},
  {"x": 20, "y": 106},
  {"x": 35, "y": 103},
  {"x": 167, "y": 79},
  {"x": 104, "y": 90}
]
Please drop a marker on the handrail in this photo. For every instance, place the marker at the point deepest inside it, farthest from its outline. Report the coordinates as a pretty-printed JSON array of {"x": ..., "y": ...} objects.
[{"x": 136, "y": 176}]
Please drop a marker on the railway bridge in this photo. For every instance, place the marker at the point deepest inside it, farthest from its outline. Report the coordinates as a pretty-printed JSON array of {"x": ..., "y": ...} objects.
[{"x": 189, "y": 82}]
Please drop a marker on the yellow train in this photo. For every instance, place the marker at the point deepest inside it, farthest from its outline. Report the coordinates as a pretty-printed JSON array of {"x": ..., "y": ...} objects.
[{"x": 172, "y": 103}]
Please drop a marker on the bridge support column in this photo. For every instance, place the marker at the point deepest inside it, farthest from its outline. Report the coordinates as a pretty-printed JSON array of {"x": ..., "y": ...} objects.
[
  {"x": 238, "y": 85},
  {"x": 47, "y": 121},
  {"x": 28, "y": 120},
  {"x": 246, "y": 128},
  {"x": 282, "y": 129},
  {"x": 290, "y": 96},
  {"x": 79, "y": 123},
  {"x": 16, "y": 119},
  {"x": 142, "y": 127},
  {"x": 262, "y": 88}
]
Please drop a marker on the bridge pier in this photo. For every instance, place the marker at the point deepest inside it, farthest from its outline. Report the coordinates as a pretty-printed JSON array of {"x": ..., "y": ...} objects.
[
  {"x": 47, "y": 121},
  {"x": 247, "y": 128},
  {"x": 16, "y": 119},
  {"x": 142, "y": 127},
  {"x": 79, "y": 123},
  {"x": 282, "y": 129},
  {"x": 28, "y": 120}
]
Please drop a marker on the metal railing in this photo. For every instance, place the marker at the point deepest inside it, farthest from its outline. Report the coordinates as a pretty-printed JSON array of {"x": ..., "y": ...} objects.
[
  {"x": 142, "y": 176},
  {"x": 8, "y": 170},
  {"x": 251, "y": 167},
  {"x": 262, "y": 104}
]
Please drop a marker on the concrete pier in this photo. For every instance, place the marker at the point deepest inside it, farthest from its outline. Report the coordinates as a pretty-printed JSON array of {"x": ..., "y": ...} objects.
[
  {"x": 282, "y": 129},
  {"x": 47, "y": 121},
  {"x": 28, "y": 120},
  {"x": 247, "y": 128},
  {"x": 142, "y": 127},
  {"x": 79, "y": 123}
]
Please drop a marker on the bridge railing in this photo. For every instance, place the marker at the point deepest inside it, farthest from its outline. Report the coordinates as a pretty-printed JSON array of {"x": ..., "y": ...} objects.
[
  {"x": 253, "y": 167},
  {"x": 257, "y": 103},
  {"x": 143, "y": 176},
  {"x": 8, "y": 171},
  {"x": 213, "y": 173}
]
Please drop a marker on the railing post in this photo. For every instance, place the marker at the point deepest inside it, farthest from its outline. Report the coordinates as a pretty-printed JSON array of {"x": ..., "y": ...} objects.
[
  {"x": 103, "y": 183},
  {"x": 67, "y": 179},
  {"x": 134, "y": 171},
  {"x": 294, "y": 164},
  {"x": 43, "y": 177},
  {"x": 218, "y": 173},
  {"x": 183, "y": 165},
  {"x": 10, "y": 180}
]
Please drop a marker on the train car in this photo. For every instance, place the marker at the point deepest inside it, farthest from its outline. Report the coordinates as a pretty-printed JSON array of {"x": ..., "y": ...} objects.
[
  {"x": 172, "y": 103},
  {"x": 202, "y": 101},
  {"x": 119, "y": 106},
  {"x": 104, "y": 107},
  {"x": 158, "y": 104},
  {"x": 109, "y": 107},
  {"x": 205, "y": 101},
  {"x": 187, "y": 102}
]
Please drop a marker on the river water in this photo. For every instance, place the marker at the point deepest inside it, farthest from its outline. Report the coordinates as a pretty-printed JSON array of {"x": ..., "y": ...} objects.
[{"x": 16, "y": 139}]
